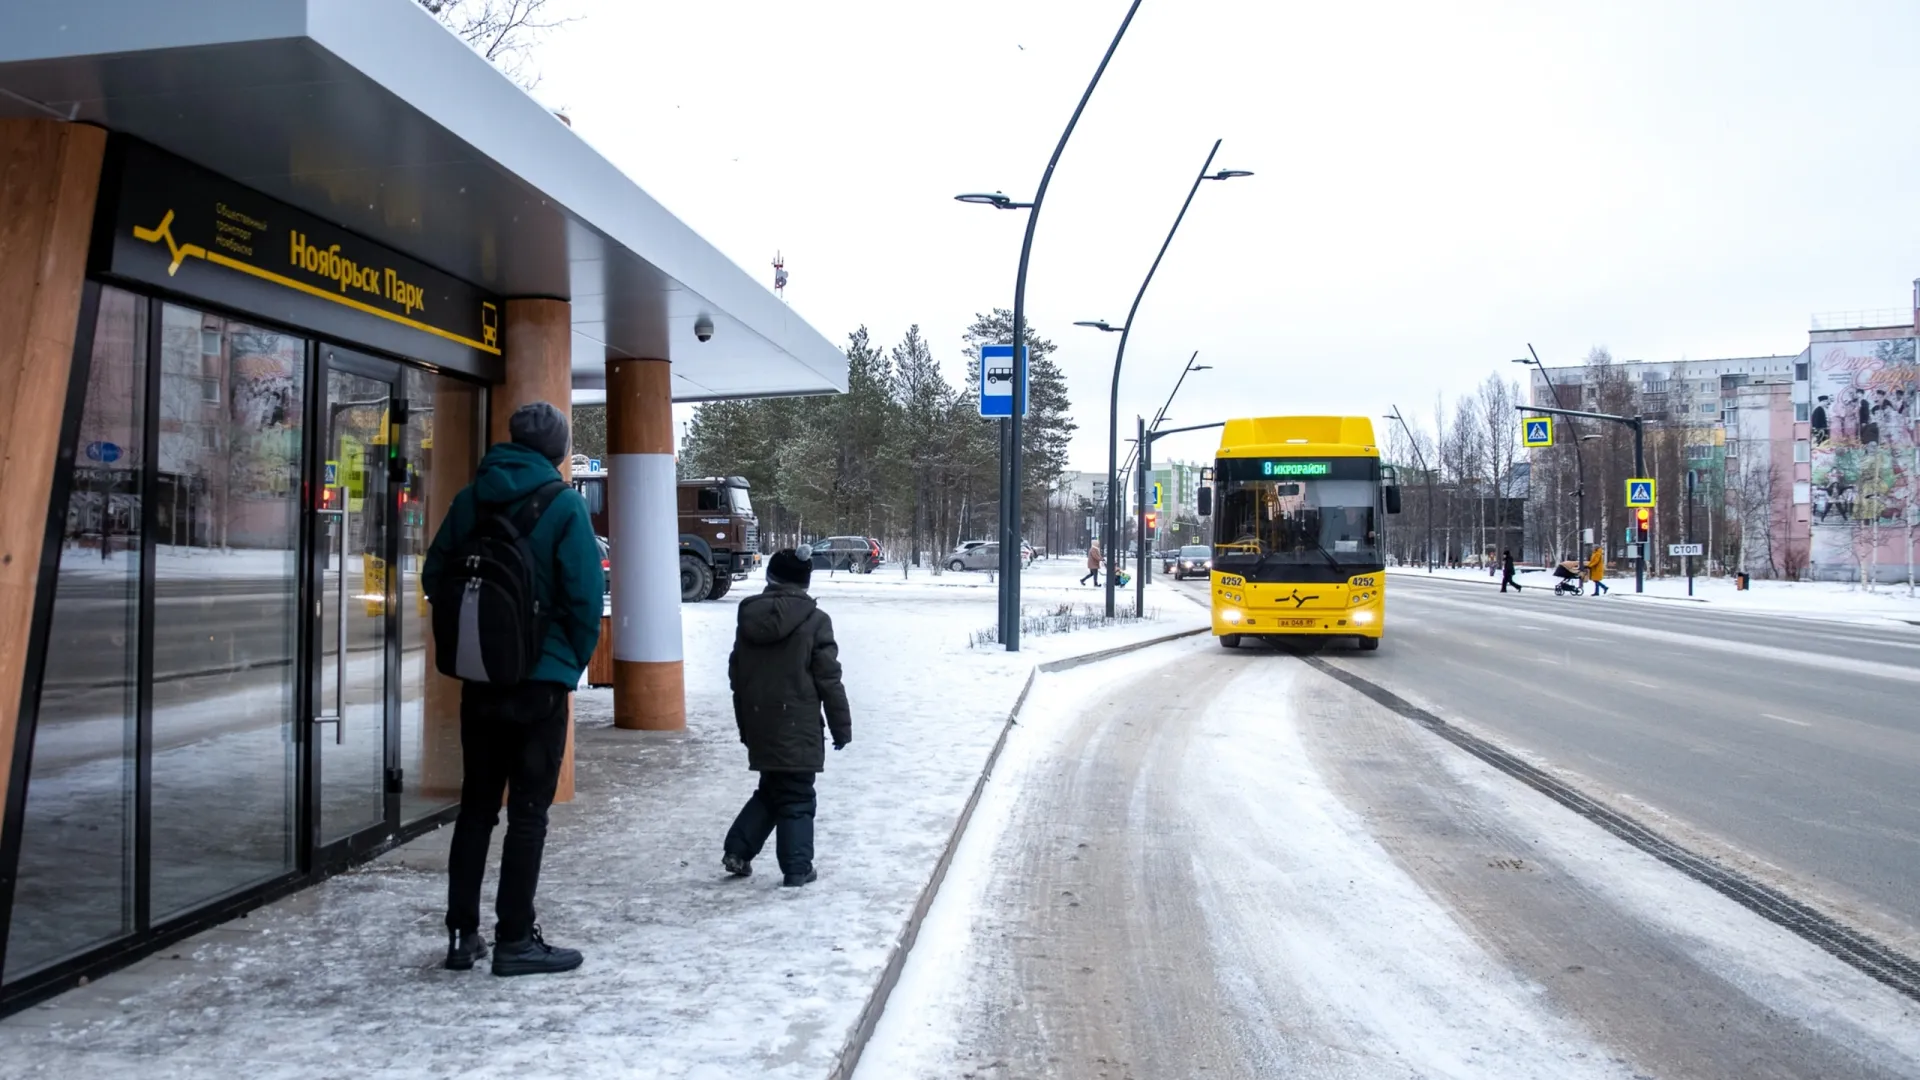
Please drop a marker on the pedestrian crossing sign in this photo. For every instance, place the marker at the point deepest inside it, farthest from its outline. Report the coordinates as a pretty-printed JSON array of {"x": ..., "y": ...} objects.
[
  {"x": 1156, "y": 496},
  {"x": 1640, "y": 491},
  {"x": 1537, "y": 431}
]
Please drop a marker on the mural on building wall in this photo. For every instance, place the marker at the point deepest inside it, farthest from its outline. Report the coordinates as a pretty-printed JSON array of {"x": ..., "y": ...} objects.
[{"x": 1863, "y": 433}]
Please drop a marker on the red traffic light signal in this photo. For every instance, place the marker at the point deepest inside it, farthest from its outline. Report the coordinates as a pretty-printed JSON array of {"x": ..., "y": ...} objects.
[
  {"x": 1643, "y": 516},
  {"x": 1153, "y": 519}
]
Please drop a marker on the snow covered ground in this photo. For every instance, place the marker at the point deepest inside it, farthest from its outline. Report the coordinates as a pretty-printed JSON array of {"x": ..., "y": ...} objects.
[
  {"x": 1283, "y": 879},
  {"x": 688, "y": 973},
  {"x": 1831, "y": 600}
]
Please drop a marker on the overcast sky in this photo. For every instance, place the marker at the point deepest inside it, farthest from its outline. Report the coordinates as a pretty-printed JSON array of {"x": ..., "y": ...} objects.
[{"x": 1438, "y": 184}]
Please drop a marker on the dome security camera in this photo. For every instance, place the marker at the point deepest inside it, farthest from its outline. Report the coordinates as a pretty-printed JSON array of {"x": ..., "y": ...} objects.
[{"x": 703, "y": 328}]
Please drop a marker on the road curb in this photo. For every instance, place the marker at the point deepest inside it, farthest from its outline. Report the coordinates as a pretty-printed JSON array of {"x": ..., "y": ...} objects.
[{"x": 876, "y": 1003}]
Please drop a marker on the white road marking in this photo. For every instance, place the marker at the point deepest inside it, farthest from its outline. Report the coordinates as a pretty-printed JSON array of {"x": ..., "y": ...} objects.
[{"x": 1786, "y": 720}]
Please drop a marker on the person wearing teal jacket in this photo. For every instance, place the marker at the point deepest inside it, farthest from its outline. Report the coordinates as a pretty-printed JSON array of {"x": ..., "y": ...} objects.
[{"x": 512, "y": 738}]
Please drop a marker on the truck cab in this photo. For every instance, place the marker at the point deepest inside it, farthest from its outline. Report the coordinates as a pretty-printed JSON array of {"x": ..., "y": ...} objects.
[{"x": 719, "y": 533}]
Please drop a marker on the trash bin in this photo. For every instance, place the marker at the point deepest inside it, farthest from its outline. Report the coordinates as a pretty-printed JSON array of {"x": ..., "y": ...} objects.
[{"x": 1740, "y": 581}]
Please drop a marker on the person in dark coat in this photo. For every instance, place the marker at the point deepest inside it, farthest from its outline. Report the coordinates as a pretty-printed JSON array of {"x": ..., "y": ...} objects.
[
  {"x": 785, "y": 673},
  {"x": 1506, "y": 572}
]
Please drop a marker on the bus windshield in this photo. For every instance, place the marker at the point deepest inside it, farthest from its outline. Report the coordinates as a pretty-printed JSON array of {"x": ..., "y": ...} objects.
[{"x": 1285, "y": 519}]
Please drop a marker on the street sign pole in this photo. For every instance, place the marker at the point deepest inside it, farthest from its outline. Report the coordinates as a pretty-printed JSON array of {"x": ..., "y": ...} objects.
[
  {"x": 1639, "y": 469},
  {"x": 1687, "y": 534}
]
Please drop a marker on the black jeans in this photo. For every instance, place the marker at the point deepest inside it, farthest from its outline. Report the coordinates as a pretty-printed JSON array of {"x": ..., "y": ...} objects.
[
  {"x": 1094, "y": 574},
  {"x": 511, "y": 740},
  {"x": 783, "y": 803}
]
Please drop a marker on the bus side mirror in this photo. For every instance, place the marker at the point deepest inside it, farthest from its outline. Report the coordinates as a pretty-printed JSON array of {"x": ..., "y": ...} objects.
[
  {"x": 1393, "y": 499},
  {"x": 1204, "y": 497}
]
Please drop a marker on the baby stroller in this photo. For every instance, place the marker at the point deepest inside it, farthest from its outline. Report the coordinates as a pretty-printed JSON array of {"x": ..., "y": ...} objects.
[{"x": 1570, "y": 574}]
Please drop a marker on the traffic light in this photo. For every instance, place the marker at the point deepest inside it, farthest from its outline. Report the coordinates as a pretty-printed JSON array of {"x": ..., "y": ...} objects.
[
  {"x": 1153, "y": 520},
  {"x": 1643, "y": 518}
]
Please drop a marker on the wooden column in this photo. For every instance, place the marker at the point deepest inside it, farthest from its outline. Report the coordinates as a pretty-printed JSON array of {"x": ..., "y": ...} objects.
[
  {"x": 49, "y": 179},
  {"x": 649, "y": 679},
  {"x": 539, "y": 356},
  {"x": 457, "y": 434}
]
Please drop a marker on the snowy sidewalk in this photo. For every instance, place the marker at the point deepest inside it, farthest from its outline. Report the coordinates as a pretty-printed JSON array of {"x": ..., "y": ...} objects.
[
  {"x": 1829, "y": 600},
  {"x": 688, "y": 973}
]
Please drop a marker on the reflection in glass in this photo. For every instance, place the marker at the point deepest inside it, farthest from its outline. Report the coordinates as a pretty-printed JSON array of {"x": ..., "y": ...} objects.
[
  {"x": 227, "y": 518},
  {"x": 443, "y": 440},
  {"x": 351, "y": 679},
  {"x": 75, "y": 885}
]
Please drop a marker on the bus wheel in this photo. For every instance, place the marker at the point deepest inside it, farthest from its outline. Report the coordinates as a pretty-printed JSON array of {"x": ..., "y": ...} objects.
[
  {"x": 1229, "y": 641},
  {"x": 1369, "y": 644}
]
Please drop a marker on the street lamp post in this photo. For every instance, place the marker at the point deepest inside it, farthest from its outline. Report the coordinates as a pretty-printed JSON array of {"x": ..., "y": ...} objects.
[
  {"x": 1421, "y": 459},
  {"x": 1011, "y": 433},
  {"x": 1120, "y": 353},
  {"x": 1145, "y": 459},
  {"x": 1579, "y": 460}
]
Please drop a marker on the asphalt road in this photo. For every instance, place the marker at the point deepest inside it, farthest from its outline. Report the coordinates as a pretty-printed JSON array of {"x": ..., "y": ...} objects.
[
  {"x": 1787, "y": 745},
  {"x": 1228, "y": 864}
]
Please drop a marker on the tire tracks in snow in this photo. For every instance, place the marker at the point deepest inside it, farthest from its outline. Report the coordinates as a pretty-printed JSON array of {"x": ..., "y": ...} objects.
[{"x": 1636, "y": 986}]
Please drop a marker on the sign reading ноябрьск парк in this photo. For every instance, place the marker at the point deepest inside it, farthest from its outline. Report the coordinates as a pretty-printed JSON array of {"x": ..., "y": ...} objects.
[{"x": 178, "y": 227}]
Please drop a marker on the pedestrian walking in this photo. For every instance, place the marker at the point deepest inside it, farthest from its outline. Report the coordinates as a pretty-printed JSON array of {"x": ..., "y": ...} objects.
[
  {"x": 517, "y": 590},
  {"x": 1597, "y": 569},
  {"x": 785, "y": 672},
  {"x": 1093, "y": 564},
  {"x": 1506, "y": 572}
]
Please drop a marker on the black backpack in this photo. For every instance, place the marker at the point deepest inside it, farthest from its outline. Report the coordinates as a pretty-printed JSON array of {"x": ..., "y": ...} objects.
[{"x": 488, "y": 623}]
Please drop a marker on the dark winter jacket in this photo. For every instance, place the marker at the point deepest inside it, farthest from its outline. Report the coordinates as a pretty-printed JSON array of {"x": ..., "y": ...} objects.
[
  {"x": 567, "y": 577},
  {"x": 785, "y": 669}
]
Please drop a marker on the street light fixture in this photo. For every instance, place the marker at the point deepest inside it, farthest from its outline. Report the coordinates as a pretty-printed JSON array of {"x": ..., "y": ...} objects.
[
  {"x": 1010, "y": 435},
  {"x": 1100, "y": 324},
  {"x": 997, "y": 200},
  {"x": 1120, "y": 354}
]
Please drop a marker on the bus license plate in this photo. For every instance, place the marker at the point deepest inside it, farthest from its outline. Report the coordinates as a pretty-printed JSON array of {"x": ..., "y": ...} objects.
[{"x": 1296, "y": 622}]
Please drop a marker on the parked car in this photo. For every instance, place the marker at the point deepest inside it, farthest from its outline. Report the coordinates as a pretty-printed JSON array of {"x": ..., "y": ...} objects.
[
  {"x": 1193, "y": 560},
  {"x": 981, "y": 556},
  {"x": 852, "y": 553},
  {"x": 879, "y": 556}
]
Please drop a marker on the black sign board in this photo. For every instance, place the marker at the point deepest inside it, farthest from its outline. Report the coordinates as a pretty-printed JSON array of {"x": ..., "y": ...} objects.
[{"x": 179, "y": 227}]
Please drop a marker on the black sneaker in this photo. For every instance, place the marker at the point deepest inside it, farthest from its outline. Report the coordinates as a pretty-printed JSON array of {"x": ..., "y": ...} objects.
[
  {"x": 736, "y": 865},
  {"x": 531, "y": 955},
  {"x": 794, "y": 881},
  {"x": 463, "y": 948}
]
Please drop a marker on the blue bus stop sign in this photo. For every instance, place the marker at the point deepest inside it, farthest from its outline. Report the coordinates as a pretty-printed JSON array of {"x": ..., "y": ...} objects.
[{"x": 996, "y": 380}]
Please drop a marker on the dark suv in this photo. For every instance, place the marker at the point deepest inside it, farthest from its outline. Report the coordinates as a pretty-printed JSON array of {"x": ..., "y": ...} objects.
[{"x": 852, "y": 553}]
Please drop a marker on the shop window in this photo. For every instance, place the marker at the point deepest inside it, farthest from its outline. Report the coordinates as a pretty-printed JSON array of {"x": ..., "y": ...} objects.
[{"x": 75, "y": 885}]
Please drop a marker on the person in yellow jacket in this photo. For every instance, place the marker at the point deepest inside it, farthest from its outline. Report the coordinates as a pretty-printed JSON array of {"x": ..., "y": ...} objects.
[{"x": 1597, "y": 570}]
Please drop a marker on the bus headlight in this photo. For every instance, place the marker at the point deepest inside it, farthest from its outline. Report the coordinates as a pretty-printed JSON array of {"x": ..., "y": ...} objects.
[
  {"x": 1363, "y": 617},
  {"x": 1231, "y": 615}
]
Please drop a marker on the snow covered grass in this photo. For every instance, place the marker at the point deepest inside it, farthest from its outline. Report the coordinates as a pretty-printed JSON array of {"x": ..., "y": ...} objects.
[
  {"x": 1833, "y": 600},
  {"x": 688, "y": 973}
]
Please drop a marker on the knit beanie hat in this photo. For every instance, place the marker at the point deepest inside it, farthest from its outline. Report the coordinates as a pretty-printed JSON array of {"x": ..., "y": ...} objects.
[
  {"x": 791, "y": 566},
  {"x": 541, "y": 428}
]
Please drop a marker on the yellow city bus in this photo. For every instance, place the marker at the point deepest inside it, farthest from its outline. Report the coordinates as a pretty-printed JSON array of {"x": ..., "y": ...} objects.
[{"x": 1299, "y": 507}]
